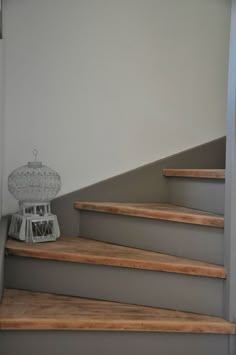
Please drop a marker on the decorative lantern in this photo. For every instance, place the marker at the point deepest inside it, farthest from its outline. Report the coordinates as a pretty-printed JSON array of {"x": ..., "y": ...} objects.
[{"x": 34, "y": 185}]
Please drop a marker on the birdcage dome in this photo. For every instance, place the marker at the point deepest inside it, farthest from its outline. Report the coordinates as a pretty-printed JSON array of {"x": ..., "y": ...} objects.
[{"x": 34, "y": 182}]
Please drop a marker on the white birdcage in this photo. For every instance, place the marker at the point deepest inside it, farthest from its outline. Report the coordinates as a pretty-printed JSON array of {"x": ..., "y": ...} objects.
[{"x": 34, "y": 185}]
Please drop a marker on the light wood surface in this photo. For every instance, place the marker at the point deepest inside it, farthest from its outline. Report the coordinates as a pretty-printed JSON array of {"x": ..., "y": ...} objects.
[
  {"x": 155, "y": 210},
  {"x": 75, "y": 249},
  {"x": 196, "y": 173},
  {"x": 40, "y": 311}
]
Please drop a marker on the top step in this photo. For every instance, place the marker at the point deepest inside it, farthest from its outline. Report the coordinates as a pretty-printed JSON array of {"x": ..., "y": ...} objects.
[
  {"x": 196, "y": 173},
  {"x": 162, "y": 211}
]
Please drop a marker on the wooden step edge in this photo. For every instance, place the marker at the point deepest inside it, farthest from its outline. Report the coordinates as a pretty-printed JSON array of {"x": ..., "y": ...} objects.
[
  {"x": 26, "y": 310},
  {"x": 197, "y": 217},
  {"x": 195, "y": 173},
  {"x": 117, "y": 325},
  {"x": 173, "y": 264}
]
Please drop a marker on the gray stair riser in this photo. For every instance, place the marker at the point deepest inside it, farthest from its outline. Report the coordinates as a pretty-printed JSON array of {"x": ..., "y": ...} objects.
[
  {"x": 203, "y": 194},
  {"x": 143, "y": 287},
  {"x": 181, "y": 239},
  {"x": 110, "y": 343}
]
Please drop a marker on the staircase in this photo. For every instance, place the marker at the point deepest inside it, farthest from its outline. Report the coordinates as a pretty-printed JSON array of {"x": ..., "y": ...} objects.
[{"x": 142, "y": 278}]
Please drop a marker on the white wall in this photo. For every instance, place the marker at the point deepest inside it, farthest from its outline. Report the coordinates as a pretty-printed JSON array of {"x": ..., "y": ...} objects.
[{"x": 103, "y": 86}]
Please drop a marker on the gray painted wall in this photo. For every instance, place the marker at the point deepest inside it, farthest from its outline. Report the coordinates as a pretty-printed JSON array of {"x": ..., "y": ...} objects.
[{"x": 230, "y": 192}]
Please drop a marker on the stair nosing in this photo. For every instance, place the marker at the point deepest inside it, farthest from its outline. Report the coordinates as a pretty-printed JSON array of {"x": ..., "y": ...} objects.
[
  {"x": 121, "y": 326},
  {"x": 201, "y": 269}
]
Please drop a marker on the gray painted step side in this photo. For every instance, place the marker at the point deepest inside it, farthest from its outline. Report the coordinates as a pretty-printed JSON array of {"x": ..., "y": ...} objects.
[
  {"x": 3, "y": 238},
  {"x": 151, "y": 288},
  {"x": 111, "y": 343},
  {"x": 184, "y": 240},
  {"x": 203, "y": 194}
]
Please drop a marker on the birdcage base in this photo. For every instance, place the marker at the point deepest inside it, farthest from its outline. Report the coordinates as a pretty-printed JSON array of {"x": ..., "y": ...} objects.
[{"x": 34, "y": 229}]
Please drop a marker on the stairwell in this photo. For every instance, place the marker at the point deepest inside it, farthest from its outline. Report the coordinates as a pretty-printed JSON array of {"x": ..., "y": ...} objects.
[{"x": 142, "y": 278}]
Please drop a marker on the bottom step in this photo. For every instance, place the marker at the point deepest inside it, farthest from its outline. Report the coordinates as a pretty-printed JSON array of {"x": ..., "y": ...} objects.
[
  {"x": 59, "y": 325},
  {"x": 41, "y": 311}
]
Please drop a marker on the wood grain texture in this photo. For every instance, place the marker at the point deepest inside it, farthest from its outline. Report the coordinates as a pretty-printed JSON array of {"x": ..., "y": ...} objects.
[
  {"x": 196, "y": 173},
  {"x": 40, "y": 311},
  {"x": 161, "y": 211},
  {"x": 75, "y": 249}
]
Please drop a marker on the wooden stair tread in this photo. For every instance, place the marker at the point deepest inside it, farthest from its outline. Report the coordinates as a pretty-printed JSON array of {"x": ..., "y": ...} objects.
[
  {"x": 161, "y": 211},
  {"x": 75, "y": 249},
  {"x": 27, "y": 310},
  {"x": 196, "y": 173}
]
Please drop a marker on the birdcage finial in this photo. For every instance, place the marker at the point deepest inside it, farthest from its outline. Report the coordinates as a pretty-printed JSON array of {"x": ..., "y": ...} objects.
[{"x": 35, "y": 154}]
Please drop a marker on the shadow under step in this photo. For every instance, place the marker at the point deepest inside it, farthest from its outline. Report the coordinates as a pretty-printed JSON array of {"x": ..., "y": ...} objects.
[
  {"x": 203, "y": 189},
  {"x": 59, "y": 325},
  {"x": 93, "y": 269}
]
